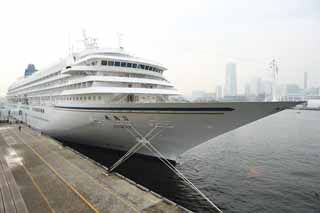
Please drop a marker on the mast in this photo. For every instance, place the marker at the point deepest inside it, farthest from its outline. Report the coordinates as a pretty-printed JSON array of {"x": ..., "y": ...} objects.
[
  {"x": 120, "y": 40},
  {"x": 89, "y": 42}
]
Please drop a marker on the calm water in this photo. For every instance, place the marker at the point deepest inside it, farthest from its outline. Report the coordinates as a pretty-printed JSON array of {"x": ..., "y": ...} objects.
[{"x": 272, "y": 165}]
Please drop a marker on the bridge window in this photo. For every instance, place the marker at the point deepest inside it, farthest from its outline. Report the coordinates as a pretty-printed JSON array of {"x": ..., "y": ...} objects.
[
  {"x": 141, "y": 66},
  {"x": 134, "y": 65},
  {"x": 104, "y": 63},
  {"x": 123, "y": 64},
  {"x": 147, "y": 67},
  {"x": 129, "y": 64},
  {"x": 117, "y": 63}
]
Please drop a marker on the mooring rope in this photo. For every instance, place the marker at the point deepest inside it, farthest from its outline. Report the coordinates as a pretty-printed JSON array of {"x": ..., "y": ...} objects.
[{"x": 143, "y": 141}]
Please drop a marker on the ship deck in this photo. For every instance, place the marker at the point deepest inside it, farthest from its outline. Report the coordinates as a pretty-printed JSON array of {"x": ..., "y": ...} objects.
[{"x": 38, "y": 174}]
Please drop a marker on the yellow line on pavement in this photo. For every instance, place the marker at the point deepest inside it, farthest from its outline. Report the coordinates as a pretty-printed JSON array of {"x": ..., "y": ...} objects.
[
  {"x": 38, "y": 188},
  {"x": 100, "y": 184},
  {"x": 60, "y": 177}
]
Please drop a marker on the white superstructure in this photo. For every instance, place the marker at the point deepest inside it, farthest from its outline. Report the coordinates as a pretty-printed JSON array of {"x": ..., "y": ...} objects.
[{"x": 90, "y": 97}]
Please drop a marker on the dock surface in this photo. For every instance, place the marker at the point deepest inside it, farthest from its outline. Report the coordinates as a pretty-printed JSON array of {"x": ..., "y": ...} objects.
[{"x": 38, "y": 174}]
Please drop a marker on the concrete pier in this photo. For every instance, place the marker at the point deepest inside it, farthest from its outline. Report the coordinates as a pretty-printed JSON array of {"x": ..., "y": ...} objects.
[{"x": 37, "y": 174}]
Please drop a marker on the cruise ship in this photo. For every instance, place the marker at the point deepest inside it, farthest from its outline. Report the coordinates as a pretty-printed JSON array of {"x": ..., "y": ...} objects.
[{"x": 110, "y": 98}]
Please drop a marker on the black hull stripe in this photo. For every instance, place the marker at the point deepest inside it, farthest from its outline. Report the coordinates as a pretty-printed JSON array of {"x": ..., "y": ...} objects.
[{"x": 171, "y": 109}]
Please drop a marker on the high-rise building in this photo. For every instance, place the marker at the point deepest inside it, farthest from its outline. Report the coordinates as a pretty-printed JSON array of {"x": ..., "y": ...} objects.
[
  {"x": 247, "y": 90},
  {"x": 305, "y": 86},
  {"x": 230, "y": 87},
  {"x": 218, "y": 92},
  {"x": 257, "y": 87}
]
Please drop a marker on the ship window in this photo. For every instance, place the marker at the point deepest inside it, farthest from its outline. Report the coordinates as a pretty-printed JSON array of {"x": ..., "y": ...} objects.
[
  {"x": 94, "y": 98},
  {"x": 77, "y": 98},
  {"x": 123, "y": 64},
  {"x": 117, "y": 63},
  {"x": 130, "y": 98},
  {"x": 104, "y": 63},
  {"x": 150, "y": 68},
  {"x": 99, "y": 97},
  {"x": 141, "y": 66},
  {"x": 134, "y": 65},
  {"x": 89, "y": 98},
  {"x": 147, "y": 67},
  {"x": 129, "y": 64},
  {"x": 85, "y": 98},
  {"x": 80, "y": 98},
  {"x": 110, "y": 63}
]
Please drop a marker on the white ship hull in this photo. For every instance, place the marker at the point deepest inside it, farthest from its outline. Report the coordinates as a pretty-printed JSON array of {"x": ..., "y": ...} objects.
[{"x": 184, "y": 125}]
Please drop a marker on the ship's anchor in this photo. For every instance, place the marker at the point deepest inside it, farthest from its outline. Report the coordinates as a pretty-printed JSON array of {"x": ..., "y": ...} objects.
[{"x": 145, "y": 141}]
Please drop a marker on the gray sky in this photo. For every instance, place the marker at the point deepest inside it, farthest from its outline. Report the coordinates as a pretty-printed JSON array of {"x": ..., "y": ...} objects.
[{"x": 194, "y": 39}]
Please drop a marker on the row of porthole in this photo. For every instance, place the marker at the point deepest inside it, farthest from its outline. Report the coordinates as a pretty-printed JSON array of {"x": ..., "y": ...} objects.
[{"x": 84, "y": 98}]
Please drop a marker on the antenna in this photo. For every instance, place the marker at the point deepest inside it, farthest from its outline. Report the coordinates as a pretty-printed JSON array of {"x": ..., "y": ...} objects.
[
  {"x": 89, "y": 42},
  {"x": 120, "y": 40},
  {"x": 69, "y": 44}
]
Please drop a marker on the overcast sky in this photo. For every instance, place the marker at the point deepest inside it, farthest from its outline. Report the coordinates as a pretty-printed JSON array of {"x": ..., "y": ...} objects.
[{"x": 193, "y": 39}]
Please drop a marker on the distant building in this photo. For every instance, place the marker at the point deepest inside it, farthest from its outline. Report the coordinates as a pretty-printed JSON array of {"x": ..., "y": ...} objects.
[
  {"x": 230, "y": 87},
  {"x": 267, "y": 87},
  {"x": 239, "y": 98},
  {"x": 293, "y": 89},
  {"x": 293, "y": 93},
  {"x": 201, "y": 96},
  {"x": 247, "y": 90},
  {"x": 256, "y": 87},
  {"x": 305, "y": 85},
  {"x": 218, "y": 92}
]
